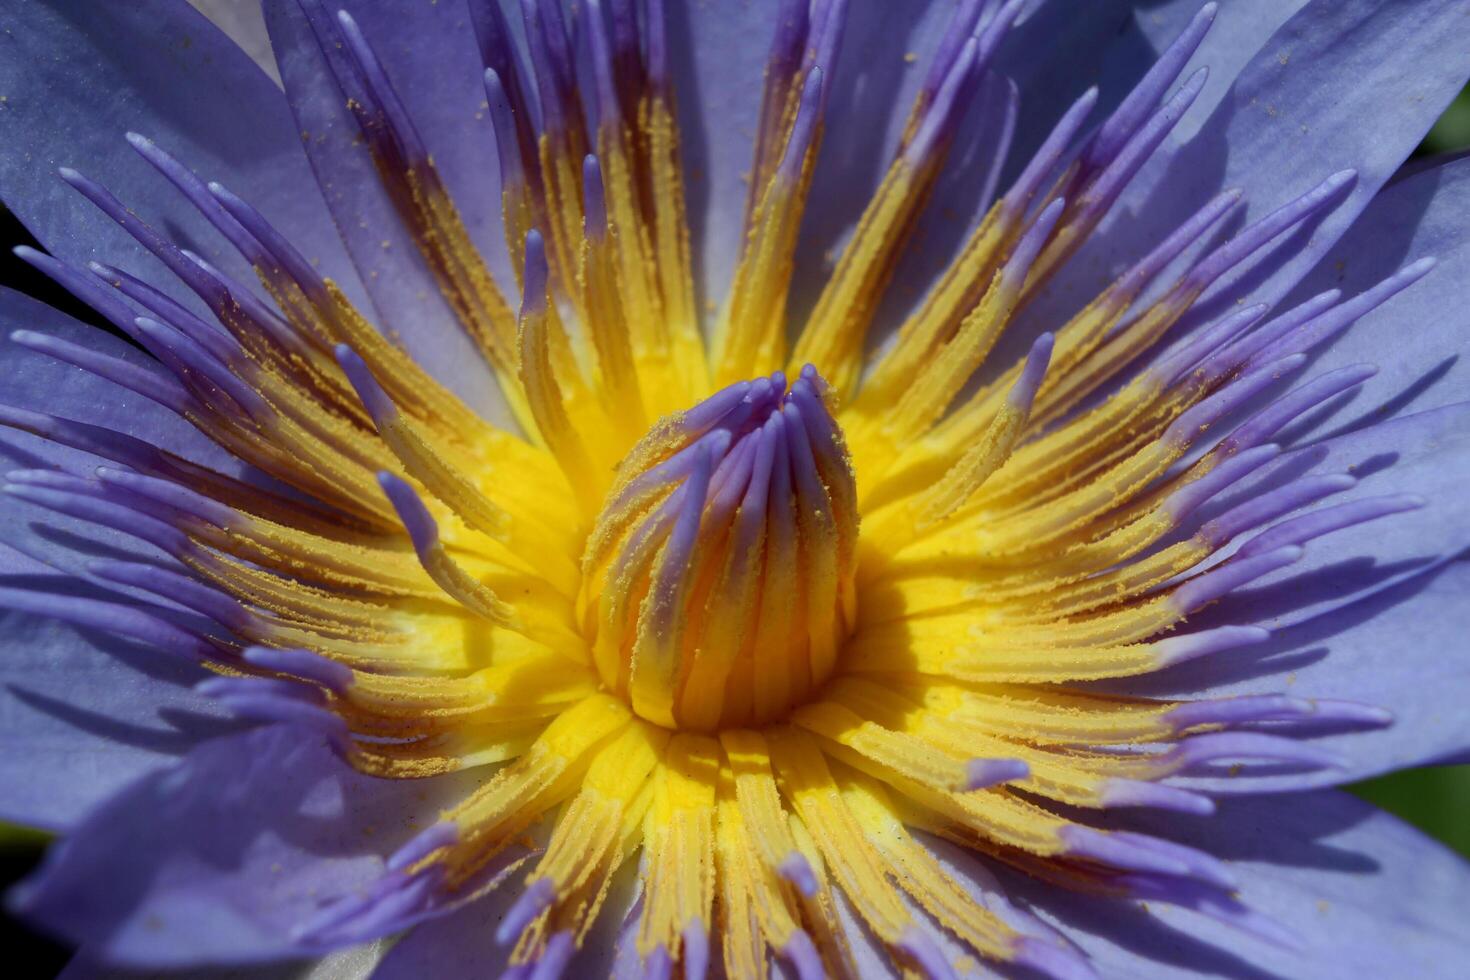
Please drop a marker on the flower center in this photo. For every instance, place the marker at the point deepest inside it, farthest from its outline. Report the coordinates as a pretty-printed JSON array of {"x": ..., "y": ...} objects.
[{"x": 718, "y": 581}]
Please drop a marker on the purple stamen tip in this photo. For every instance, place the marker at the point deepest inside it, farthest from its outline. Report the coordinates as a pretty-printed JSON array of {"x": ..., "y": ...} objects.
[
  {"x": 1237, "y": 710},
  {"x": 416, "y": 518},
  {"x": 109, "y": 617},
  {"x": 443, "y": 834},
  {"x": 1117, "y": 850},
  {"x": 372, "y": 395},
  {"x": 802, "y": 134},
  {"x": 269, "y": 707},
  {"x": 1051, "y": 959},
  {"x": 182, "y": 589},
  {"x": 1202, "y": 867},
  {"x": 555, "y": 958},
  {"x": 105, "y": 513},
  {"x": 1199, "y": 749},
  {"x": 960, "y": 28},
  {"x": 1182, "y": 502},
  {"x": 985, "y": 773},
  {"x": 1350, "y": 712},
  {"x": 1131, "y": 792},
  {"x": 1177, "y": 649},
  {"x": 1031, "y": 243},
  {"x": 594, "y": 203},
  {"x": 533, "y": 296},
  {"x": 536, "y": 899},
  {"x": 659, "y": 965},
  {"x": 1214, "y": 903},
  {"x": 1232, "y": 575},
  {"x": 301, "y": 663},
  {"x": 1300, "y": 530},
  {"x": 939, "y": 120},
  {"x": 1032, "y": 374},
  {"x": 172, "y": 495},
  {"x": 162, "y": 388},
  {"x": 926, "y": 954},
  {"x": 802, "y": 954},
  {"x": 600, "y": 46},
  {"x": 503, "y": 124},
  {"x": 226, "y": 689},
  {"x": 696, "y": 950},
  {"x": 1269, "y": 506},
  {"x": 796, "y": 869}
]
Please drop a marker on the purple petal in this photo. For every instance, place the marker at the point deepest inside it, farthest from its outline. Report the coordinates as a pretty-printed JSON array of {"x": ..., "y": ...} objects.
[
  {"x": 430, "y": 56},
  {"x": 83, "y": 713},
  {"x": 220, "y": 858},
  {"x": 36, "y": 382},
  {"x": 1421, "y": 352},
  {"x": 1397, "y": 650},
  {"x": 170, "y": 75},
  {"x": 1339, "y": 84},
  {"x": 1372, "y": 614},
  {"x": 1322, "y": 867},
  {"x": 1425, "y": 456}
]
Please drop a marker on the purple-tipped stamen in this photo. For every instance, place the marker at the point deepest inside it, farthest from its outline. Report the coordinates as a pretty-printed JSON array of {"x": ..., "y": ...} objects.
[
  {"x": 235, "y": 688},
  {"x": 1184, "y": 501},
  {"x": 1199, "y": 750},
  {"x": 1268, "y": 506},
  {"x": 796, "y": 869},
  {"x": 696, "y": 950},
  {"x": 112, "y": 618},
  {"x": 1291, "y": 406},
  {"x": 1133, "y": 112},
  {"x": 1178, "y": 649},
  {"x": 184, "y": 590},
  {"x": 594, "y": 200},
  {"x": 1238, "y": 572},
  {"x": 305, "y": 664},
  {"x": 1300, "y": 530},
  {"x": 534, "y": 899},
  {"x": 159, "y": 387},
  {"x": 920, "y": 947},
  {"x": 802, "y": 954},
  {"x": 985, "y": 773},
  {"x": 1117, "y": 792},
  {"x": 808, "y": 114},
  {"x": 1185, "y": 430}
]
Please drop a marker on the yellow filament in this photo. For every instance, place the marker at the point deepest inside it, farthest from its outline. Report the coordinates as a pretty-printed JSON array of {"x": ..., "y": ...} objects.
[
  {"x": 680, "y": 838},
  {"x": 834, "y": 335},
  {"x": 854, "y": 864},
  {"x": 545, "y": 774},
  {"x": 919, "y": 874},
  {"x": 672, "y": 260},
  {"x": 744, "y": 945},
  {"x": 544, "y": 397}
]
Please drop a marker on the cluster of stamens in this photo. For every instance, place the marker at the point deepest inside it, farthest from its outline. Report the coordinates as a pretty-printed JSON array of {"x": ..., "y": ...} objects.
[{"x": 719, "y": 579}]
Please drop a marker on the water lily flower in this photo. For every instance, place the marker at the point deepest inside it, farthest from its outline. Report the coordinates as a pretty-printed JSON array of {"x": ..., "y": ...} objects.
[{"x": 833, "y": 487}]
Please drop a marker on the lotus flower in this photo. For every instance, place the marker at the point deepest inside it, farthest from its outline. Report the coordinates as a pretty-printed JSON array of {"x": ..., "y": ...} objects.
[{"x": 839, "y": 487}]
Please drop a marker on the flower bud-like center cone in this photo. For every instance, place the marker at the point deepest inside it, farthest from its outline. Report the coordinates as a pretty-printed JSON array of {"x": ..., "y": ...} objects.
[{"x": 718, "y": 580}]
